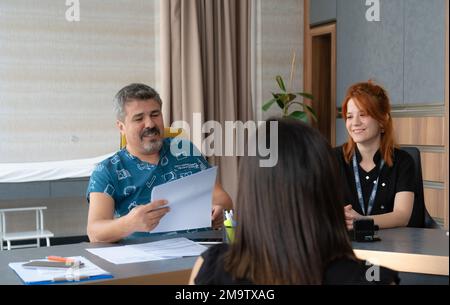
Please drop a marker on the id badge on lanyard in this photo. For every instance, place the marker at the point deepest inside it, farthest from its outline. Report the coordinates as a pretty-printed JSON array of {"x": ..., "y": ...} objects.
[{"x": 359, "y": 188}]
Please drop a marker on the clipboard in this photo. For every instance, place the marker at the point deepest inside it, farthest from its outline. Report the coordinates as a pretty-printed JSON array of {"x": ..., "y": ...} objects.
[{"x": 52, "y": 275}]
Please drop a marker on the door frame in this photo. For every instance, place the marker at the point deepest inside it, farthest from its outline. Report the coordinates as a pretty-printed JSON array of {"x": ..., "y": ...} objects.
[{"x": 310, "y": 33}]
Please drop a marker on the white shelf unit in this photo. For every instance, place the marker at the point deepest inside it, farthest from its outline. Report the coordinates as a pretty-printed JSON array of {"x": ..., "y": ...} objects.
[{"x": 15, "y": 236}]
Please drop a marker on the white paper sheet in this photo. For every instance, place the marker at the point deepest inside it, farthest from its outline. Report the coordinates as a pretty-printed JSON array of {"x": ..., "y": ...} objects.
[
  {"x": 189, "y": 199},
  {"x": 157, "y": 250},
  {"x": 47, "y": 275}
]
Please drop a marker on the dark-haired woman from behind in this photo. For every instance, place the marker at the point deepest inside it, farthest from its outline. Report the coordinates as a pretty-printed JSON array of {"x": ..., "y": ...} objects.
[{"x": 290, "y": 221}]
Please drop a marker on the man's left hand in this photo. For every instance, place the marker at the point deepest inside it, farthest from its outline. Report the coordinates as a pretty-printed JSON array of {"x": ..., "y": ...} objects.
[{"x": 217, "y": 216}]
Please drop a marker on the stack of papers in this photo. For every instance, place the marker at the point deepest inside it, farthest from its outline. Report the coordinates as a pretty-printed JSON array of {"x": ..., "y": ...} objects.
[
  {"x": 189, "y": 200},
  {"x": 49, "y": 275},
  {"x": 158, "y": 250}
]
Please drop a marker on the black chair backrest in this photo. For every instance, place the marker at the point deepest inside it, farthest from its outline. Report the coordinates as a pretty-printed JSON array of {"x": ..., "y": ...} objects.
[{"x": 420, "y": 218}]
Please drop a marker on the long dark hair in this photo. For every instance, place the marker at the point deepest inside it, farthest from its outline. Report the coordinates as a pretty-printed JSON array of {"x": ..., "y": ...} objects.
[{"x": 290, "y": 220}]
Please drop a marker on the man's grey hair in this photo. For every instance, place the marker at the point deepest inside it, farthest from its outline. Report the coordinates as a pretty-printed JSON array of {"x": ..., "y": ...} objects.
[{"x": 133, "y": 92}]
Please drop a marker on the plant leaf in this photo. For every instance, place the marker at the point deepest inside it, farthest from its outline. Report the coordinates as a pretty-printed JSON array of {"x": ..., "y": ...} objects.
[
  {"x": 299, "y": 115},
  {"x": 306, "y": 95},
  {"x": 280, "y": 83},
  {"x": 280, "y": 104},
  {"x": 291, "y": 97},
  {"x": 311, "y": 111},
  {"x": 268, "y": 104},
  {"x": 280, "y": 98}
]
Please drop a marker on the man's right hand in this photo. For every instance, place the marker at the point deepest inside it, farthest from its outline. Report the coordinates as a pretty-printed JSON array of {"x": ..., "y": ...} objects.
[{"x": 145, "y": 218}]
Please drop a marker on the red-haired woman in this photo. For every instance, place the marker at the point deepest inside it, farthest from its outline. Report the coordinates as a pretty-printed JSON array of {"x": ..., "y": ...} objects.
[{"x": 378, "y": 178}]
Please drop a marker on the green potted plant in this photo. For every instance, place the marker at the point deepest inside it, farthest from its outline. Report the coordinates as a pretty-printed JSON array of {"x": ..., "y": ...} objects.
[{"x": 285, "y": 99}]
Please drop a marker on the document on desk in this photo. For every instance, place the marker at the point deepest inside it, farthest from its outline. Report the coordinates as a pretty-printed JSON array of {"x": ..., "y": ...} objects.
[
  {"x": 42, "y": 275},
  {"x": 189, "y": 200},
  {"x": 157, "y": 250}
]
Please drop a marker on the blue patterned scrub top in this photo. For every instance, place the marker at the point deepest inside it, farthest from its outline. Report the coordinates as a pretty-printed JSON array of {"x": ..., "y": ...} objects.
[{"x": 129, "y": 180}]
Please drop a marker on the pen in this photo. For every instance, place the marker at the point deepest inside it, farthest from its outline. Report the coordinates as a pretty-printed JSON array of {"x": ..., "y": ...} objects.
[
  {"x": 61, "y": 259},
  {"x": 70, "y": 278},
  {"x": 209, "y": 242},
  {"x": 228, "y": 215},
  {"x": 232, "y": 219},
  {"x": 229, "y": 221}
]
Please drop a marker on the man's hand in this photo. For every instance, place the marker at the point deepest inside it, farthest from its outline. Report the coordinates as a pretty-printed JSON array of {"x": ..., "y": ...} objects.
[
  {"x": 217, "y": 216},
  {"x": 145, "y": 218},
  {"x": 350, "y": 215}
]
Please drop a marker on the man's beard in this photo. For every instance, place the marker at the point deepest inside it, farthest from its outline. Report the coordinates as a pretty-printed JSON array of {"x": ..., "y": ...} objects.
[{"x": 153, "y": 146}]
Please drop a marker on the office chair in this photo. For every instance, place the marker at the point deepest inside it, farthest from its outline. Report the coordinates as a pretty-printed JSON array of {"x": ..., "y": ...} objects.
[
  {"x": 168, "y": 133},
  {"x": 420, "y": 218}
]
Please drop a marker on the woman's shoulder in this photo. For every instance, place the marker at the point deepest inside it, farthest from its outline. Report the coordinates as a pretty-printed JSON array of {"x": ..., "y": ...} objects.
[
  {"x": 402, "y": 157},
  {"x": 215, "y": 251},
  {"x": 212, "y": 271},
  {"x": 347, "y": 271},
  {"x": 401, "y": 154}
]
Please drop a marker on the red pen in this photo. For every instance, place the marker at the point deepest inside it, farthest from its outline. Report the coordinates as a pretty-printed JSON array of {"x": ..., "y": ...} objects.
[{"x": 60, "y": 259}]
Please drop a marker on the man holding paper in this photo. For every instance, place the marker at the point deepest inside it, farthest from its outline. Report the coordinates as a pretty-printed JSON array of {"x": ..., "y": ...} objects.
[{"x": 120, "y": 187}]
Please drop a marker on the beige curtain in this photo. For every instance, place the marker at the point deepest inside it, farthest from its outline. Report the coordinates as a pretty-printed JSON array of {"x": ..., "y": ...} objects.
[{"x": 205, "y": 53}]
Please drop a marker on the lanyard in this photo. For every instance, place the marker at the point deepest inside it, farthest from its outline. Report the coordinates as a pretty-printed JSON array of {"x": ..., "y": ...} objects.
[{"x": 359, "y": 188}]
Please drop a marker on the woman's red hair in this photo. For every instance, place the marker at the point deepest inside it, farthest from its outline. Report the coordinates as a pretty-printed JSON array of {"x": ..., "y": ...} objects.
[{"x": 372, "y": 99}]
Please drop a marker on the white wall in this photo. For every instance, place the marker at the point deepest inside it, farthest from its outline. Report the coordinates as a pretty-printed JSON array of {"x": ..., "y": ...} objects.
[{"x": 58, "y": 78}]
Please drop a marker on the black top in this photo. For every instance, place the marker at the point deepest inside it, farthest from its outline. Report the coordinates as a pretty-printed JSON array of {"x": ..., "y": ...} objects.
[
  {"x": 343, "y": 271},
  {"x": 398, "y": 178}
]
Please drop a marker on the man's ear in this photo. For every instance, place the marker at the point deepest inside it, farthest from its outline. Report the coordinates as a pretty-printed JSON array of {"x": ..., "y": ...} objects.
[{"x": 121, "y": 126}]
